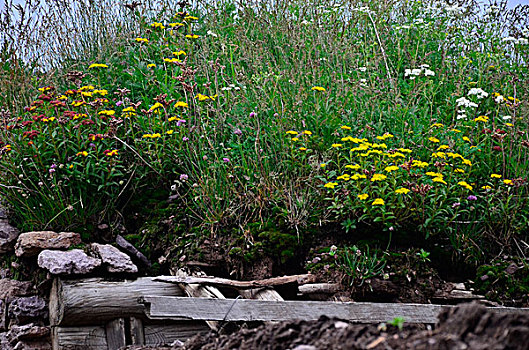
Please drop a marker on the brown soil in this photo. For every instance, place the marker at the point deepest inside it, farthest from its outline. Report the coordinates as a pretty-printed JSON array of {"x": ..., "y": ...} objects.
[{"x": 469, "y": 326}]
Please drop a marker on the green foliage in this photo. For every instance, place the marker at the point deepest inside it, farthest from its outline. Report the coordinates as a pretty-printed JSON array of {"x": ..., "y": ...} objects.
[{"x": 298, "y": 114}]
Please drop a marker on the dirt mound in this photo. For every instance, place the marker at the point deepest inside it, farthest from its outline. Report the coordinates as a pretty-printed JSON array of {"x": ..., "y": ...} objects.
[{"x": 469, "y": 326}]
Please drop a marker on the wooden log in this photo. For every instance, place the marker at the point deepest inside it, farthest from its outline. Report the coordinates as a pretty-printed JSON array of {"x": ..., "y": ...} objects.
[
  {"x": 319, "y": 288},
  {"x": 224, "y": 282},
  {"x": 258, "y": 310},
  {"x": 159, "y": 334},
  {"x": 96, "y": 301},
  {"x": 77, "y": 338},
  {"x": 261, "y": 294},
  {"x": 115, "y": 330},
  {"x": 137, "y": 334}
]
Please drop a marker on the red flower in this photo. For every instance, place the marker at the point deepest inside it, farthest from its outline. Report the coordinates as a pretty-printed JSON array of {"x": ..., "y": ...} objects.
[
  {"x": 497, "y": 148},
  {"x": 87, "y": 122}
]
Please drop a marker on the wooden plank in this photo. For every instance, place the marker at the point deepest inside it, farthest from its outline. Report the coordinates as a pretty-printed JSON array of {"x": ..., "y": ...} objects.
[
  {"x": 167, "y": 333},
  {"x": 137, "y": 334},
  {"x": 116, "y": 338},
  {"x": 224, "y": 282},
  {"x": 76, "y": 338},
  {"x": 258, "y": 310},
  {"x": 199, "y": 291},
  {"x": 261, "y": 294},
  {"x": 91, "y": 301}
]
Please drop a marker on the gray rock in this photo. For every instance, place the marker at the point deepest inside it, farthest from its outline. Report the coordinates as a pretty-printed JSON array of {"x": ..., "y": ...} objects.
[
  {"x": 27, "y": 332},
  {"x": 114, "y": 260},
  {"x": 27, "y": 309},
  {"x": 3, "y": 325},
  {"x": 4, "y": 342},
  {"x": 132, "y": 251},
  {"x": 32, "y": 243},
  {"x": 72, "y": 262},
  {"x": 13, "y": 288},
  {"x": 8, "y": 236}
]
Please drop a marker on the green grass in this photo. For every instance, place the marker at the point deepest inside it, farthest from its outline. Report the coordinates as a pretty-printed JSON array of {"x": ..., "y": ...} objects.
[{"x": 392, "y": 75}]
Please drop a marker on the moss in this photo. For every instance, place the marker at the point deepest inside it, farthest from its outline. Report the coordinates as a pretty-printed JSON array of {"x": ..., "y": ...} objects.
[{"x": 504, "y": 280}]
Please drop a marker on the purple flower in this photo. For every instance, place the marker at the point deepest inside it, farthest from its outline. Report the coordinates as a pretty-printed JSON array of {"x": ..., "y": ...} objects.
[
  {"x": 472, "y": 197},
  {"x": 180, "y": 122},
  {"x": 119, "y": 103},
  {"x": 184, "y": 177},
  {"x": 237, "y": 132},
  {"x": 226, "y": 160},
  {"x": 92, "y": 145},
  {"x": 456, "y": 204},
  {"x": 185, "y": 138},
  {"x": 253, "y": 115}
]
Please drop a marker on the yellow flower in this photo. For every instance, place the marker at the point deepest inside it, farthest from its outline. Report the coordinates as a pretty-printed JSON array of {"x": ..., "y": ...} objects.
[
  {"x": 467, "y": 162},
  {"x": 178, "y": 53},
  {"x": 458, "y": 170},
  {"x": 292, "y": 132},
  {"x": 318, "y": 88},
  {"x": 142, "y": 40},
  {"x": 345, "y": 127},
  {"x": 157, "y": 25},
  {"x": 173, "y": 119},
  {"x": 378, "y": 201},
  {"x": 151, "y": 65},
  {"x": 353, "y": 167},
  {"x": 402, "y": 190},
  {"x": 181, "y": 104},
  {"x": 507, "y": 182},
  {"x": 465, "y": 138},
  {"x": 336, "y": 145},
  {"x": 303, "y": 148},
  {"x": 86, "y": 87},
  {"x": 107, "y": 112},
  {"x": 405, "y": 150},
  {"x": 509, "y": 124},
  {"x": 437, "y": 125},
  {"x": 391, "y": 168},
  {"x": 176, "y": 24},
  {"x": 86, "y": 93},
  {"x": 190, "y": 18},
  {"x": 387, "y": 135},
  {"x": 495, "y": 176},
  {"x": 330, "y": 185},
  {"x": 378, "y": 177},
  {"x": 439, "y": 179},
  {"x": 358, "y": 176},
  {"x": 192, "y": 36},
  {"x": 169, "y": 132},
  {"x": 465, "y": 184},
  {"x": 294, "y": 139},
  {"x": 454, "y": 130},
  {"x": 345, "y": 177},
  {"x": 442, "y": 147},
  {"x": 306, "y": 132},
  {"x": 432, "y": 174},
  {"x": 83, "y": 153},
  {"x": 439, "y": 155},
  {"x": 323, "y": 165},
  {"x": 363, "y": 196},
  {"x": 487, "y": 187},
  {"x": 171, "y": 60},
  {"x": 97, "y": 65},
  {"x": 433, "y": 139},
  {"x": 482, "y": 118},
  {"x": 419, "y": 164}
]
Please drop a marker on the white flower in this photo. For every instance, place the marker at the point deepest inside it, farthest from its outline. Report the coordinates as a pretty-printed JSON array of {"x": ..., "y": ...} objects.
[
  {"x": 464, "y": 102},
  {"x": 506, "y": 117},
  {"x": 424, "y": 66},
  {"x": 212, "y": 34},
  {"x": 362, "y": 69},
  {"x": 428, "y": 72},
  {"x": 478, "y": 92},
  {"x": 498, "y": 99}
]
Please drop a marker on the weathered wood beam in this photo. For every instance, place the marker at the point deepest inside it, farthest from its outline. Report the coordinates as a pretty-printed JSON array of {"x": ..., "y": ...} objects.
[
  {"x": 92, "y": 301},
  {"x": 115, "y": 330},
  {"x": 224, "y": 282},
  {"x": 319, "y": 288},
  {"x": 258, "y": 310},
  {"x": 74, "y": 338}
]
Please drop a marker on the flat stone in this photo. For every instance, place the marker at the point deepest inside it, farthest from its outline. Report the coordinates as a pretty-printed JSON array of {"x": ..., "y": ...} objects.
[
  {"x": 27, "y": 332},
  {"x": 8, "y": 236},
  {"x": 114, "y": 259},
  {"x": 71, "y": 262},
  {"x": 12, "y": 288},
  {"x": 38, "y": 344},
  {"x": 27, "y": 309},
  {"x": 132, "y": 251},
  {"x": 4, "y": 342},
  {"x": 32, "y": 243}
]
